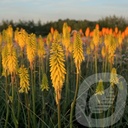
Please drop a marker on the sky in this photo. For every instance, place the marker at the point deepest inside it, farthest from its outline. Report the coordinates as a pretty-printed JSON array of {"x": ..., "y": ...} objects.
[{"x": 52, "y": 10}]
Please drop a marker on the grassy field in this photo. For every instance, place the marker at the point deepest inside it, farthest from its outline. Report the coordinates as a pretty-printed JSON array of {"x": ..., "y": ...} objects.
[{"x": 40, "y": 77}]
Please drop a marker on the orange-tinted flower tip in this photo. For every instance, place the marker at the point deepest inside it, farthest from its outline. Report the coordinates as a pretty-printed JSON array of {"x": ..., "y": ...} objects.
[{"x": 97, "y": 26}]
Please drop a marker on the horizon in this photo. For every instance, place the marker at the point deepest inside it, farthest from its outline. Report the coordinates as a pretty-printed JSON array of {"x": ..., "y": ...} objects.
[
  {"x": 36, "y": 22},
  {"x": 47, "y": 11}
]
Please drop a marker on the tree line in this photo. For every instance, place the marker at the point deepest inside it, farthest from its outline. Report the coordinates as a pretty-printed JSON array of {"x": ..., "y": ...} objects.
[{"x": 43, "y": 29}]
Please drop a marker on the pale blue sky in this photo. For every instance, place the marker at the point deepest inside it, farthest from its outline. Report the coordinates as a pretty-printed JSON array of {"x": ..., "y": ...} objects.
[{"x": 52, "y": 10}]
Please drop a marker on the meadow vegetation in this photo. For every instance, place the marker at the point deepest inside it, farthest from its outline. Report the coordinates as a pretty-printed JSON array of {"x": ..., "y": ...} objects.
[{"x": 40, "y": 75}]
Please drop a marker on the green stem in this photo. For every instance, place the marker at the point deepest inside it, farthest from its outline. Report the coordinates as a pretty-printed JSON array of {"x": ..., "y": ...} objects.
[
  {"x": 59, "y": 118},
  {"x": 14, "y": 117},
  {"x": 96, "y": 69},
  {"x": 7, "y": 103},
  {"x": 67, "y": 87},
  {"x": 7, "y": 114},
  {"x": 28, "y": 109},
  {"x": 13, "y": 112},
  {"x": 96, "y": 65},
  {"x": 74, "y": 100},
  {"x": 39, "y": 71},
  {"x": 18, "y": 113},
  {"x": 0, "y": 65},
  {"x": 47, "y": 59},
  {"x": 103, "y": 65},
  {"x": 33, "y": 99},
  {"x": 43, "y": 109},
  {"x": 87, "y": 62}
]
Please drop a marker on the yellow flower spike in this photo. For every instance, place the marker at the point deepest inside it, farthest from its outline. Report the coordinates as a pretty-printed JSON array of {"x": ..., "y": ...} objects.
[
  {"x": 40, "y": 48},
  {"x": 70, "y": 49},
  {"x": 0, "y": 38},
  {"x": 56, "y": 36},
  {"x": 49, "y": 39},
  {"x": 12, "y": 63},
  {"x": 99, "y": 88},
  {"x": 103, "y": 52},
  {"x": 24, "y": 80},
  {"x": 66, "y": 37},
  {"x": 44, "y": 85},
  {"x": 92, "y": 46},
  {"x": 112, "y": 45},
  {"x": 113, "y": 77},
  {"x": 4, "y": 36},
  {"x": 78, "y": 54},
  {"x": 21, "y": 38},
  {"x": 106, "y": 40},
  {"x": 96, "y": 37},
  {"x": 9, "y": 59},
  {"x": 57, "y": 68},
  {"x": 65, "y": 29},
  {"x": 4, "y": 58},
  {"x": 31, "y": 49},
  {"x": 16, "y": 35},
  {"x": 9, "y": 34},
  {"x": 120, "y": 38}
]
